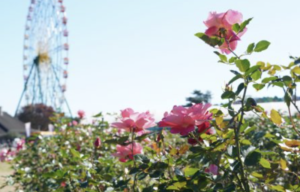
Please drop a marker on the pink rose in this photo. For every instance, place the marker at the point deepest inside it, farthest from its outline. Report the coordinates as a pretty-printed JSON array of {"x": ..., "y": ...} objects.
[
  {"x": 225, "y": 21},
  {"x": 213, "y": 169},
  {"x": 183, "y": 120},
  {"x": 81, "y": 114},
  {"x": 124, "y": 153},
  {"x": 134, "y": 121}
]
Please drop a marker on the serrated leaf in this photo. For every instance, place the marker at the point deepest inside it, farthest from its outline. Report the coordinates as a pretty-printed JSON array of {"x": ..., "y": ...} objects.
[
  {"x": 261, "y": 46},
  {"x": 265, "y": 163},
  {"x": 276, "y": 117},
  {"x": 244, "y": 24}
]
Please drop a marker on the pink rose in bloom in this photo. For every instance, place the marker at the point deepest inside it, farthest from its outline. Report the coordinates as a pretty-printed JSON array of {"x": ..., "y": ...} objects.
[
  {"x": 217, "y": 21},
  {"x": 134, "y": 121},
  {"x": 183, "y": 120},
  {"x": 97, "y": 142},
  {"x": 81, "y": 114},
  {"x": 213, "y": 169},
  {"x": 124, "y": 153}
]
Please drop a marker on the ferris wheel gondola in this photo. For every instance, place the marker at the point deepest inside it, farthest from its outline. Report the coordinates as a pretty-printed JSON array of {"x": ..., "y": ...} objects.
[{"x": 45, "y": 55}]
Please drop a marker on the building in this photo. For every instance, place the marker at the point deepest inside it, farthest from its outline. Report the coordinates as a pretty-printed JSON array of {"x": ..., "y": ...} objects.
[{"x": 10, "y": 126}]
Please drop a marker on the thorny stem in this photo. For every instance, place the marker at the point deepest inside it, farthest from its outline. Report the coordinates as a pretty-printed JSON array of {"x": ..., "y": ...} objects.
[
  {"x": 237, "y": 143},
  {"x": 239, "y": 181},
  {"x": 289, "y": 109},
  {"x": 134, "y": 163},
  {"x": 237, "y": 129}
]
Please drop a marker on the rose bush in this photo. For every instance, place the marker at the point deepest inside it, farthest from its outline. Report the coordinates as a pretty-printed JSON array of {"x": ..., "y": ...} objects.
[{"x": 192, "y": 149}]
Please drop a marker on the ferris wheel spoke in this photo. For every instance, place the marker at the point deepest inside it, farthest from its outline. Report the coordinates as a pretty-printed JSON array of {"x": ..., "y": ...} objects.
[{"x": 45, "y": 54}]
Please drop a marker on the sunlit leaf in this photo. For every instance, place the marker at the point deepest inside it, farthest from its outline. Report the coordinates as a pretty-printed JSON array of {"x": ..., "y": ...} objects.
[
  {"x": 261, "y": 46},
  {"x": 265, "y": 163},
  {"x": 276, "y": 117}
]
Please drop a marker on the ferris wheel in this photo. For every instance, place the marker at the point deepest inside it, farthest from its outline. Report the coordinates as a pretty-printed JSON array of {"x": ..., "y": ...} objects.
[{"x": 45, "y": 55}]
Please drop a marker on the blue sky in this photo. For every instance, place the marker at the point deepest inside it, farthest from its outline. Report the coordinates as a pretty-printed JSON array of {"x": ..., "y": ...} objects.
[{"x": 143, "y": 54}]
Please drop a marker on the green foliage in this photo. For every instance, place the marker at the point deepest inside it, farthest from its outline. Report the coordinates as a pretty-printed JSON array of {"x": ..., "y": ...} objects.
[
  {"x": 261, "y": 46},
  {"x": 212, "y": 41}
]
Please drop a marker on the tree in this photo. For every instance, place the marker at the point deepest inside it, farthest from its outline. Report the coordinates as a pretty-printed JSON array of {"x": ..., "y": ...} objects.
[
  {"x": 198, "y": 97},
  {"x": 38, "y": 115}
]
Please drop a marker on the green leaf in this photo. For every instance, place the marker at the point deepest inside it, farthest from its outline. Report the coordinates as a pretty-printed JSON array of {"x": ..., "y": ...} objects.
[
  {"x": 212, "y": 41},
  {"x": 75, "y": 153},
  {"x": 141, "y": 158},
  {"x": 265, "y": 163},
  {"x": 287, "y": 80},
  {"x": 261, "y": 46},
  {"x": 287, "y": 97},
  {"x": 98, "y": 115},
  {"x": 283, "y": 164},
  {"x": 239, "y": 76},
  {"x": 296, "y": 70},
  {"x": 189, "y": 171},
  {"x": 250, "y": 48},
  {"x": 232, "y": 59},
  {"x": 252, "y": 69},
  {"x": 243, "y": 65},
  {"x": 278, "y": 84},
  {"x": 252, "y": 159},
  {"x": 228, "y": 95},
  {"x": 246, "y": 142},
  {"x": 256, "y": 75},
  {"x": 249, "y": 130},
  {"x": 276, "y": 117},
  {"x": 240, "y": 88},
  {"x": 223, "y": 58},
  {"x": 244, "y": 24},
  {"x": 278, "y": 188},
  {"x": 257, "y": 175},
  {"x": 236, "y": 28},
  {"x": 258, "y": 86},
  {"x": 268, "y": 79},
  {"x": 141, "y": 176}
]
